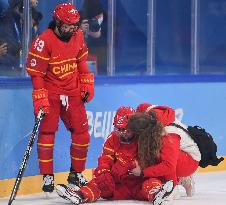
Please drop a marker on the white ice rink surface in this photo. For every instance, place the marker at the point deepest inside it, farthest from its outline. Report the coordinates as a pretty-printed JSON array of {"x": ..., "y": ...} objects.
[{"x": 210, "y": 190}]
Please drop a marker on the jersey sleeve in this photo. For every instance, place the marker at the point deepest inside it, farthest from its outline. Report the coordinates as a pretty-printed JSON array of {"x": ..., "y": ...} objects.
[
  {"x": 107, "y": 158},
  {"x": 168, "y": 158},
  {"x": 38, "y": 58},
  {"x": 82, "y": 56}
]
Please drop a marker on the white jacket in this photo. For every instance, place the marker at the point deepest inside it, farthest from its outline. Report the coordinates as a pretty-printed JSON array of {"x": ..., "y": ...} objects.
[{"x": 187, "y": 144}]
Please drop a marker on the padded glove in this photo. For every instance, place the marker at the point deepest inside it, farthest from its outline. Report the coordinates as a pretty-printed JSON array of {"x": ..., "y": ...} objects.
[
  {"x": 40, "y": 101},
  {"x": 121, "y": 168},
  {"x": 87, "y": 86}
]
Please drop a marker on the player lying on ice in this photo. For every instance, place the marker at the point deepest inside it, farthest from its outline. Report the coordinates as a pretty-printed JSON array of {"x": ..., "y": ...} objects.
[{"x": 139, "y": 161}]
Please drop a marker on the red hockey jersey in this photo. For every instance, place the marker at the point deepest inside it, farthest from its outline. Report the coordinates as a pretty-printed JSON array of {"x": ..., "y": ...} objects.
[
  {"x": 114, "y": 150},
  {"x": 57, "y": 62}
]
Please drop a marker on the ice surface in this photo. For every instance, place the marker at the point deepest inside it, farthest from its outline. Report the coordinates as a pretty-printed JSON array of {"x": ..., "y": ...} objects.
[{"x": 210, "y": 190}]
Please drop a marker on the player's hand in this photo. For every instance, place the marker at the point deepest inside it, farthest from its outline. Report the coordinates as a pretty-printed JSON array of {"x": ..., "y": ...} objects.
[
  {"x": 3, "y": 49},
  {"x": 137, "y": 170},
  {"x": 40, "y": 101},
  {"x": 87, "y": 86},
  {"x": 85, "y": 26}
]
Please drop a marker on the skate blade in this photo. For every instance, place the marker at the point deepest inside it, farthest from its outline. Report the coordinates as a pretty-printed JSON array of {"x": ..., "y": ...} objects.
[{"x": 47, "y": 195}]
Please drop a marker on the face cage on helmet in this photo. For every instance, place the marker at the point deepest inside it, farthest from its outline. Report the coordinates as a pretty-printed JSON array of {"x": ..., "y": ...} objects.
[
  {"x": 60, "y": 23},
  {"x": 76, "y": 26},
  {"x": 121, "y": 132}
]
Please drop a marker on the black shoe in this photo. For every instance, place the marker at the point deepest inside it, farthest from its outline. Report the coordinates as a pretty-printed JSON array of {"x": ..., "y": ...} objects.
[
  {"x": 68, "y": 193},
  {"x": 48, "y": 183},
  {"x": 163, "y": 193},
  {"x": 77, "y": 179}
]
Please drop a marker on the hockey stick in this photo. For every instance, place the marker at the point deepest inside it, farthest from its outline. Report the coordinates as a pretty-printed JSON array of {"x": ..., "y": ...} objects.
[
  {"x": 26, "y": 156},
  {"x": 84, "y": 99}
]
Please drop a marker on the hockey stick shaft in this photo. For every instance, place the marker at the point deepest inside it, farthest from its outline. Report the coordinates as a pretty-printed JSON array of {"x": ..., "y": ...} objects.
[
  {"x": 85, "y": 97},
  {"x": 26, "y": 156}
]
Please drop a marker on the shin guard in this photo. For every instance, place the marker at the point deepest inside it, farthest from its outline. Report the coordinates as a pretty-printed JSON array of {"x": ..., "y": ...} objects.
[
  {"x": 78, "y": 150},
  {"x": 90, "y": 191},
  {"x": 45, "y": 152},
  {"x": 150, "y": 187}
]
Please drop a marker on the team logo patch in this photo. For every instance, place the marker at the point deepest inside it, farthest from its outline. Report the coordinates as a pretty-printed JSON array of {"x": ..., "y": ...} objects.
[{"x": 33, "y": 62}]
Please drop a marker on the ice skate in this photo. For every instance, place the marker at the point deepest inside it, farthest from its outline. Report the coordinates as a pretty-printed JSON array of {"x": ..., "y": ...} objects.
[
  {"x": 60, "y": 189},
  {"x": 174, "y": 195},
  {"x": 48, "y": 184},
  {"x": 68, "y": 193},
  {"x": 77, "y": 179},
  {"x": 189, "y": 185},
  {"x": 163, "y": 193}
]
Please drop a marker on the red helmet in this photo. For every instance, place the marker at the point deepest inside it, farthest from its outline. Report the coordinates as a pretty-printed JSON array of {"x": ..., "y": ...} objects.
[
  {"x": 143, "y": 107},
  {"x": 121, "y": 117},
  {"x": 66, "y": 13}
]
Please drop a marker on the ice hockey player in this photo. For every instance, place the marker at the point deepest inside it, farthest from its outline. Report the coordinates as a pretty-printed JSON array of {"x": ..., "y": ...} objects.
[
  {"x": 62, "y": 84},
  {"x": 113, "y": 178}
]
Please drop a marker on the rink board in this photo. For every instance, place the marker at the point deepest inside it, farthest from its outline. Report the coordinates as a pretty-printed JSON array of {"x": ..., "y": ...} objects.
[
  {"x": 33, "y": 184},
  {"x": 209, "y": 190},
  {"x": 196, "y": 103}
]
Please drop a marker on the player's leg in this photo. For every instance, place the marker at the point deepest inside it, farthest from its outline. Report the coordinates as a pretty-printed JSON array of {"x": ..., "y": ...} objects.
[
  {"x": 155, "y": 191},
  {"x": 48, "y": 127},
  {"x": 45, "y": 155},
  {"x": 75, "y": 119},
  {"x": 88, "y": 193},
  {"x": 186, "y": 169}
]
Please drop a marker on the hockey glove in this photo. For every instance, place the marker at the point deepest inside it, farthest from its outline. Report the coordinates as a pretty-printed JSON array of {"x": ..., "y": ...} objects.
[
  {"x": 40, "y": 100},
  {"x": 87, "y": 86},
  {"x": 121, "y": 169}
]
